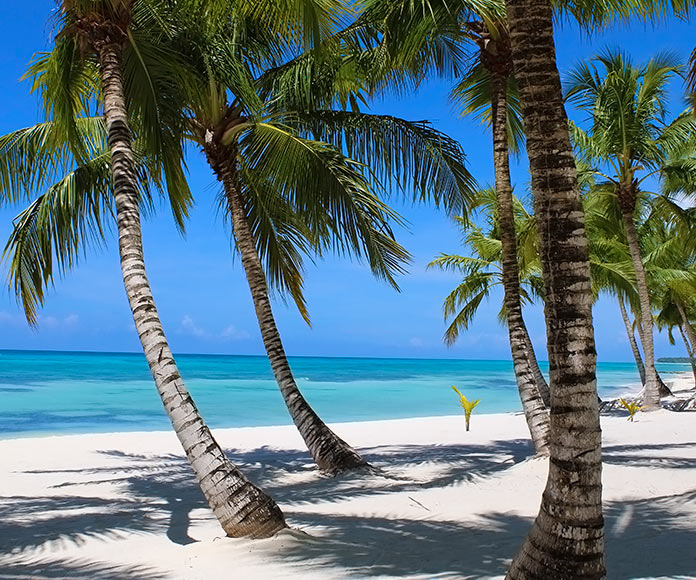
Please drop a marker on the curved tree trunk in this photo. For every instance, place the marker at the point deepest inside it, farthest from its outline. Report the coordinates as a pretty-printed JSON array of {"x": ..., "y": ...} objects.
[
  {"x": 541, "y": 383},
  {"x": 686, "y": 324},
  {"x": 662, "y": 387},
  {"x": 535, "y": 410},
  {"x": 241, "y": 508},
  {"x": 632, "y": 340},
  {"x": 567, "y": 538},
  {"x": 651, "y": 390},
  {"x": 331, "y": 454},
  {"x": 688, "y": 336},
  {"x": 689, "y": 350}
]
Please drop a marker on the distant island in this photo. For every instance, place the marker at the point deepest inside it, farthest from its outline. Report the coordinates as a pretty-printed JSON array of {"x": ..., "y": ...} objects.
[{"x": 673, "y": 359}]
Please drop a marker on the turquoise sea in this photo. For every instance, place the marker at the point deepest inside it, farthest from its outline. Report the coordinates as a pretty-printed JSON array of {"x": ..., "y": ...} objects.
[{"x": 66, "y": 392}]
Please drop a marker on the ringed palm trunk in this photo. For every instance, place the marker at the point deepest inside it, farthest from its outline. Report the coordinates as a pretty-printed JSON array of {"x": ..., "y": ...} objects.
[
  {"x": 535, "y": 410},
  {"x": 651, "y": 390},
  {"x": 632, "y": 340},
  {"x": 689, "y": 350},
  {"x": 686, "y": 324},
  {"x": 541, "y": 383},
  {"x": 241, "y": 508},
  {"x": 688, "y": 336},
  {"x": 331, "y": 454},
  {"x": 567, "y": 537}
]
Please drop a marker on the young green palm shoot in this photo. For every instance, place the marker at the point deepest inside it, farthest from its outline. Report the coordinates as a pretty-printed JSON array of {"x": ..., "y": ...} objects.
[{"x": 467, "y": 405}]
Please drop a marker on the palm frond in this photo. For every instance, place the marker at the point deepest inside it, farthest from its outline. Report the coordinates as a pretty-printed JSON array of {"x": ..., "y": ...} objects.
[
  {"x": 399, "y": 153},
  {"x": 34, "y": 157},
  {"x": 56, "y": 229},
  {"x": 329, "y": 192}
]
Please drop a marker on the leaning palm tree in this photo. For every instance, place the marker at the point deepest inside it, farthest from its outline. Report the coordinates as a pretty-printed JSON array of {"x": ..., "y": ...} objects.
[
  {"x": 671, "y": 268},
  {"x": 668, "y": 318},
  {"x": 488, "y": 89},
  {"x": 567, "y": 537},
  {"x": 418, "y": 37},
  {"x": 288, "y": 187},
  {"x": 481, "y": 272},
  {"x": 628, "y": 141},
  {"x": 610, "y": 261},
  {"x": 610, "y": 264},
  {"x": 105, "y": 47}
]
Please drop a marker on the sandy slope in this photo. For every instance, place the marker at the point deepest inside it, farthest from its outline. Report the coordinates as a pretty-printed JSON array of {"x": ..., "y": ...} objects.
[{"x": 448, "y": 504}]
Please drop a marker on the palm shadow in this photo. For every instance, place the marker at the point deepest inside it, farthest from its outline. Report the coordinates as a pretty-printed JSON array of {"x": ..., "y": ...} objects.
[
  {"x": 159, "y": 493},
  {"x": 69, "y": 569}
]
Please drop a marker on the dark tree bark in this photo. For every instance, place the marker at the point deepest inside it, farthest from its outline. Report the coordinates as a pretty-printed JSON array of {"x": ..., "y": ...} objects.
[
  {"x": 651, "y": 389},
  {"x": 688, "y": 336},
  {"x": 689, "y": 351},
  {"x": 241, "y": 508},
  {"x": 331, "y": 454},
  {"x": 567, "y": 538},
  {"x": 632, "y": 340},
  {"x": 541, "y": 383},
  {"x": 495, "y": 55}
]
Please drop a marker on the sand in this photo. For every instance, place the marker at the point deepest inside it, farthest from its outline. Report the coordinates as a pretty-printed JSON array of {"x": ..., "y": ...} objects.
[{"x": 447, "y": 504}]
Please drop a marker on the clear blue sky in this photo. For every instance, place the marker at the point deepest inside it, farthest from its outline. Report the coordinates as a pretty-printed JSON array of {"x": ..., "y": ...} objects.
[{"x": 201, "y": 291}]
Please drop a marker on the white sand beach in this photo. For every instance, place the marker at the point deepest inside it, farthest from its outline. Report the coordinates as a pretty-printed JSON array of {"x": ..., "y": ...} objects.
[{"x": 446, "y": 504}]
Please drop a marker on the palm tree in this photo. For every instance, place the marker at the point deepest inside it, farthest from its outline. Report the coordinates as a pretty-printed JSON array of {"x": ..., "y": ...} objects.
[
  {"x": 610, "y": 263},
  {"x": 289, "y": 189},
  {"x": 629, "y": 135},
  {"x": 106, "y": 43},
  {"x": 419, "y": 37},
  {"x": 671, "y": 267},
  {"x": 567, "y": 537},
  {"x": 670, "y": 318},
  {"x": 481, "y": 272},
  {"x": 488, "y": 86}
]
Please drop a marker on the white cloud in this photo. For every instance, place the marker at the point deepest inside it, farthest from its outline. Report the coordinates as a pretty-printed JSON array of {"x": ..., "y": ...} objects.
[
  {"x": 48, "y": 321},
  {"x": 232, "y": 333},
  {"x": 188, "y": 326},
  {"x": 415, "y": 342},
  {"x": 71, "y": 320}
]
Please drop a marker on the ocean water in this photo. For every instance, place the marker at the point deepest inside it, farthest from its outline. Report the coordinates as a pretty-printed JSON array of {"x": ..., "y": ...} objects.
[{"x": 64, "y": 392}]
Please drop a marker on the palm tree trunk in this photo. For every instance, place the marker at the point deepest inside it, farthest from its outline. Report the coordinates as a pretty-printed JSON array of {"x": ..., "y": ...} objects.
[
  {"x": 539, "y": 378},
  {"x": 651, "y": 390},
  {"x": 663, "y": 388},
  {"x": 241, "y": 508},
  {"x": 535, "y": 410},
  {"x": 632, "y": 341},
  {"x": 567, "y": 538},
  {"x": 331, "y": 454},
  {"x": 689, "y": 351},
  {"x": 686, "y": 324},
  {"x": 688, "y": 336}
]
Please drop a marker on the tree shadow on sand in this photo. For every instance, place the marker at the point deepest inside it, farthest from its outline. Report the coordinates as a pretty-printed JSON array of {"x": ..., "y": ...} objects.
[
  {"x": 159, "y": 493},
  {"x": 644, "y": 539},
  {"x": 652, "y": 455},
  {"x": 159, "y": 501},
  {"x": 69, "y": 569}
]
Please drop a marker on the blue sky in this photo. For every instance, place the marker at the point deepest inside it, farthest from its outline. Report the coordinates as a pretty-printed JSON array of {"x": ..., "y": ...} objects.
[{"x": 201, "y": 291}]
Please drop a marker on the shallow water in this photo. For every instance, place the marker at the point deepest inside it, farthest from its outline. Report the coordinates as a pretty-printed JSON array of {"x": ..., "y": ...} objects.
[{"x": 65, "y": 392}]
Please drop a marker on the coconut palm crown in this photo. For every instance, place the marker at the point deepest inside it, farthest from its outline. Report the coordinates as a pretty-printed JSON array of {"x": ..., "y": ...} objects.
[{"x": 628, "y": 141}]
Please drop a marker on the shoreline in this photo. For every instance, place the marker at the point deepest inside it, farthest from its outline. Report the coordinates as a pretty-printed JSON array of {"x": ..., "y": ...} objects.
[
  {"x": 681, "y": 381},
  {"x": 444, "y": 504}
]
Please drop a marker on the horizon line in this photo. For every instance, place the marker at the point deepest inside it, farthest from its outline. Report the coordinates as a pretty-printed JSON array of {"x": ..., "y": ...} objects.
[{"x": 136, "y": 353}]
